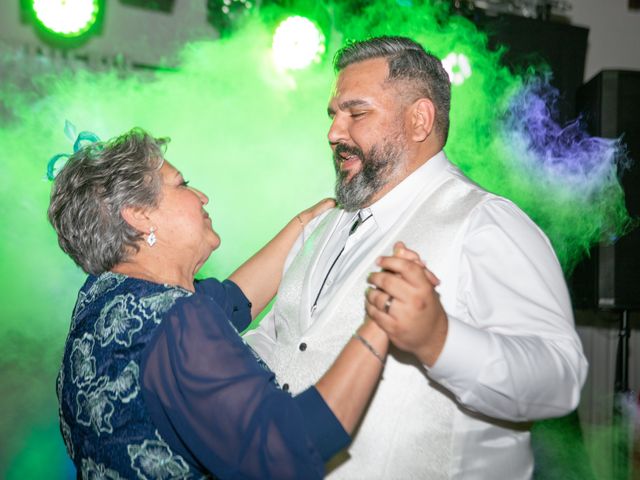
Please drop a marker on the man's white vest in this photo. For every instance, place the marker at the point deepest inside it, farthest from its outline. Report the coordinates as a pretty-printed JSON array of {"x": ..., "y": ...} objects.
[{"x": 407, "y": 431}]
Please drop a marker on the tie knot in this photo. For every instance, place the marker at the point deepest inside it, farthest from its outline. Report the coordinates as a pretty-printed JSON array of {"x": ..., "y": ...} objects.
[{"x": 360, "y": 219}]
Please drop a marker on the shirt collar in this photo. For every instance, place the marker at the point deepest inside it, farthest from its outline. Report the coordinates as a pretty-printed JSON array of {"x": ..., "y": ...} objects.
[{"x": 387, "y": 209}]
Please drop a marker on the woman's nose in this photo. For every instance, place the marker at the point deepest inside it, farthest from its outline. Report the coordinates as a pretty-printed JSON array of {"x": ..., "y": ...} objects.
[{"x": 203, "y": 198}]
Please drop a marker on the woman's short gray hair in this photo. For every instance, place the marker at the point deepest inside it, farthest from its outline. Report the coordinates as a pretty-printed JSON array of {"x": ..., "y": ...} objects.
[
  {"x": 91, "y": 190},
  {"x": 409, "y": 61}
]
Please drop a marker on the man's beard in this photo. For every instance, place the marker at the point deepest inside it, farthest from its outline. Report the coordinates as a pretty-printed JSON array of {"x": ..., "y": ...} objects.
[{"x": 379, "y": 167}]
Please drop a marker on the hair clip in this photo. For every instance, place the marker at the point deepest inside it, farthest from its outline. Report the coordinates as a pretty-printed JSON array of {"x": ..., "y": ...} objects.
[{"x": 84, "y": 138}]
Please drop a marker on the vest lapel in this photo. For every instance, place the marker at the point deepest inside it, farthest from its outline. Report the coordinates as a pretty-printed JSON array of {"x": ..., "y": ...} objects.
[
  {"x": 315, "y": 247},
  {"x": 384, "y": 247}
]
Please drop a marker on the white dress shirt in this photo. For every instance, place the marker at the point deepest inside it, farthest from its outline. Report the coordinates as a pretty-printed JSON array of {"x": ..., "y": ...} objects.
[
  {"x": 377, "y": 221},
  {"x": 511, "y": 352}
]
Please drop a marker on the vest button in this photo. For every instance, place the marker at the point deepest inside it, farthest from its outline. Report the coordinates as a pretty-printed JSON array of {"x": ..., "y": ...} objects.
[
  {"x": 285, "y": 387},
  {"x": 302, "y": 347}
]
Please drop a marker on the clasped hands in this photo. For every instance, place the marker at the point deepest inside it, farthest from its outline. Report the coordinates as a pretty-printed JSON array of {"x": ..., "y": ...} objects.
[{"x": 404, "y": 303}]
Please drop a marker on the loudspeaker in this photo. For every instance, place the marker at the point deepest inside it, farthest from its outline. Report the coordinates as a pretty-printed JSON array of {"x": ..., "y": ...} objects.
[{"x": 610, "y": 278}]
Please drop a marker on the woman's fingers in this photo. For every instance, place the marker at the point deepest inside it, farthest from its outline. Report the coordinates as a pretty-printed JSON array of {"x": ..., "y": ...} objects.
[
  {"x": 378, "y": 315},
  {"x": 387, "y": 283},
  {"x": 310, "y": 213},
  {"x": 401, "y": 251},
  {"x": 405, "y": 304},
  {"x": 322, "y": 206},
  {"x": 413, "y": 273},
  {"x": 379, "y": 299},
  {"x": 435, "y": 281}
]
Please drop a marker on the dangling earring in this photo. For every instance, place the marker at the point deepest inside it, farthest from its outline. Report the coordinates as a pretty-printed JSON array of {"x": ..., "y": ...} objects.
[{"x": 151, "y": 238}]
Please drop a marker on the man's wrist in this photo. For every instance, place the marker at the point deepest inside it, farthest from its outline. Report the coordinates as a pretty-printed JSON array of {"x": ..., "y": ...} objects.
[{"x": 430, "y": 352}]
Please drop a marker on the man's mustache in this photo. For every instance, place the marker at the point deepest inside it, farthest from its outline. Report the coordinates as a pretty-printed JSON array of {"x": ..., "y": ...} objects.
[{"x": 343, "y": 148}]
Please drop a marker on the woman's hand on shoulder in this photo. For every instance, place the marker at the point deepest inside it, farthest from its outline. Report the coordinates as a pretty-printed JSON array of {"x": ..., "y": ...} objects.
[{"x": 312, "y": 212}]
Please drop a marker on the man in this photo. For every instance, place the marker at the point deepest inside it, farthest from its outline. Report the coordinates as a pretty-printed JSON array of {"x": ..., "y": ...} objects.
[{"x": 497, "y": 348}]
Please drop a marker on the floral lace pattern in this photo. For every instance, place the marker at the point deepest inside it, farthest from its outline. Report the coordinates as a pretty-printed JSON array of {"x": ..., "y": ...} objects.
[
  {"x": 119, "y": 320},
  {"x": 83, "y": 363},
  {"x": 155, "y": 460},
  {"x": 103, "y": 284},
  {"x": 103, "y": 418},
  {"x": 93, "y": 471},
  {"x": 161, "y": 303},
  {"x": 64, "y": 426}
]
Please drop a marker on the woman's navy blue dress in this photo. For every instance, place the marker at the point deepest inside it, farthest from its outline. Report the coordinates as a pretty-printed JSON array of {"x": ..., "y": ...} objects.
[{"x": 156, "y": 383}]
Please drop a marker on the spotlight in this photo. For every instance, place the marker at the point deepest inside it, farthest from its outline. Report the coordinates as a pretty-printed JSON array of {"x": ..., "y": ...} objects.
[
  {"x": 64, "y": 23},
  {"x": 458, "y": 67},
  {"x": 297, "y": 43}
]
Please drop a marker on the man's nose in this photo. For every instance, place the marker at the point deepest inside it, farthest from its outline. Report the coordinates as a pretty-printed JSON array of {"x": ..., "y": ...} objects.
[{"x": 338, "y": 131}]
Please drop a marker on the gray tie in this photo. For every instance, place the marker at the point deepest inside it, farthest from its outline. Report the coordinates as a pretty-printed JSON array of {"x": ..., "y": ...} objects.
[{"x": 356, "y": 224}]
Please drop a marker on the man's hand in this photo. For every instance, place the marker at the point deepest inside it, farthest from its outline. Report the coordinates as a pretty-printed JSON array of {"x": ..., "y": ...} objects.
[{"x": 405, "y": 304}]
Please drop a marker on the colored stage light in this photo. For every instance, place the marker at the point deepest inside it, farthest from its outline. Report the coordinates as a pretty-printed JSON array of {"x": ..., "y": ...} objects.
[
  {"x": 66, "y": 18},
  {"x": 458, "y": 67},
  {"x": 297, "y": 43}
]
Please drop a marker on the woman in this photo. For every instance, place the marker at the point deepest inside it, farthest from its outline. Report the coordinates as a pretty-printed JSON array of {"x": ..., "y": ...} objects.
[{"x": 155, "y": 380}]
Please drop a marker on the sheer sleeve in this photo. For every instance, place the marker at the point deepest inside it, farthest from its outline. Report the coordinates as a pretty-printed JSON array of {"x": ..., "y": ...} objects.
[
  {"x": 216, "y": 405},
  {"x": 230, "y": 298}
]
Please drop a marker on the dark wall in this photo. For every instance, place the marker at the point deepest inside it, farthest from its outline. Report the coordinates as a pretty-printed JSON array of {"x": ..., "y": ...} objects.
[{"x": 531, "y": 42}]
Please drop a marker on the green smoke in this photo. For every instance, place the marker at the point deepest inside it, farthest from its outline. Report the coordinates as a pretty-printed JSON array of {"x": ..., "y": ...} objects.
[{"x": 252, "y": 138}]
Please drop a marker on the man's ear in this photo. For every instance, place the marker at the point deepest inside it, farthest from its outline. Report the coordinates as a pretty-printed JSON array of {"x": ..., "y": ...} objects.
[
  {"x": 423, "y": 115},
  {"x": 137, "y": 217}
]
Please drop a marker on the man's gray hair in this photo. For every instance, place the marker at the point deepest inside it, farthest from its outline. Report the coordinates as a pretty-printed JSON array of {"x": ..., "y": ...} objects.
[
  {"x": 91, "y": 190},
  {"x": 409, "y": 61}
]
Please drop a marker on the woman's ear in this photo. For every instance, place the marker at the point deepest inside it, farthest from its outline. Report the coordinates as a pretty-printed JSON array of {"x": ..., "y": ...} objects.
[
  {"x": 137, "y": 217},
  {"x": 423, "y": 114}
]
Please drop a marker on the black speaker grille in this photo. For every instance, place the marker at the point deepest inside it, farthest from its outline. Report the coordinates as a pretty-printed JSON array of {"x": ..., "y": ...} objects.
[{"x": 611, "y": 277}]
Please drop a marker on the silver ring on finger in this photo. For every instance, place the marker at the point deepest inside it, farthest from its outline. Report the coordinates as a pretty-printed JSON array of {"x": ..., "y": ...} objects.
[{"x": 387, "y": 305}]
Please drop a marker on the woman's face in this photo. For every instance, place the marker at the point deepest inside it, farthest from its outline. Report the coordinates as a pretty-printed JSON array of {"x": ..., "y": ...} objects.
[{"x": 180, "y": 221}]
